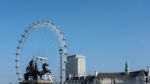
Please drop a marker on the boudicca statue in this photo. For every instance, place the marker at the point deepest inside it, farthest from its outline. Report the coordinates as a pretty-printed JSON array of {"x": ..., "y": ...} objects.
[{"x": 33, "y": 72}]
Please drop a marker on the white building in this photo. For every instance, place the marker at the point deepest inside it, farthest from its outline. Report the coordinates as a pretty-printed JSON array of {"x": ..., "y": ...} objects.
[{"x": 75, "y": 66}]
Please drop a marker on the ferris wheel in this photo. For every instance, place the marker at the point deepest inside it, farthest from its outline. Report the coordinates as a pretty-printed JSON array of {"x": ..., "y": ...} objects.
[{"x": 24, "y": 37}]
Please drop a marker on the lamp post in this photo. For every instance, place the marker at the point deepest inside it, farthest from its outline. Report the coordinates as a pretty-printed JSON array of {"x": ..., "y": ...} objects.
[{"x": 61, "y": 68}]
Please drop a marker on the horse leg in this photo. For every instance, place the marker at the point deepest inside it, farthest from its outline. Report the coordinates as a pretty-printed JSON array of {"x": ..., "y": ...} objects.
[
  {"x": 35, "y": 77},
  {"x": 41, "y": 76},
  {"x": 40, "y": 73},
  {"x": 26, "y": 76}
]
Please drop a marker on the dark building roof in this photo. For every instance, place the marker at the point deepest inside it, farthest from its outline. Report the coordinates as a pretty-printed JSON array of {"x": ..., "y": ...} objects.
[
  {"x": 119, "y": 75},
  {"x": 122, "y": 75}
]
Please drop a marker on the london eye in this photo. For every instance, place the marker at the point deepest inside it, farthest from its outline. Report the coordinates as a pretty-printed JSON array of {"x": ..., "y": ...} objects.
[{"x": 60, "y": 36}]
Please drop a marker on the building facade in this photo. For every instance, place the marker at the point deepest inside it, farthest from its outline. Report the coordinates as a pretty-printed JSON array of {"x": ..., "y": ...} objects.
[
  {"x": 75, "y": 66},
  {"x": 135, "y": 77}
]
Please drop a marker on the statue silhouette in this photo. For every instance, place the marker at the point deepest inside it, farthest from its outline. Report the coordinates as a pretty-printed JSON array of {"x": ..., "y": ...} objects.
[
  {"x": 33, "y": 72},
  {"x": 44, "y": 71}
]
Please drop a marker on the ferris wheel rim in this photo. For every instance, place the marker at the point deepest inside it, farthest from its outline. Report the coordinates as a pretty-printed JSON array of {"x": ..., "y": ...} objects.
[{"x": 24, "y": 37}]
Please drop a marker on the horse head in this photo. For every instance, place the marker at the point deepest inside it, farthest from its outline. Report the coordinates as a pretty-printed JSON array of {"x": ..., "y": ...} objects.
[{"x": 45, "y": 70}]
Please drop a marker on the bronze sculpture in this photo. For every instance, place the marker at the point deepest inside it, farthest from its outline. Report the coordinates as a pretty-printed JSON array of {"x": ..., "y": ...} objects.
[{"x": 33, "y": 72}]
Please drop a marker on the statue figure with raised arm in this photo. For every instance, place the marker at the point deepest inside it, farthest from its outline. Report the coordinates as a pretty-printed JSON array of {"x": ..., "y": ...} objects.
[{"x": 32, "y": 71}]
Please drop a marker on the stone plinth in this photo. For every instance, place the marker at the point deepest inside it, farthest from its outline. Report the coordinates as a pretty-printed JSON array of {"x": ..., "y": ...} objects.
[{"x": 36, "y": 82}]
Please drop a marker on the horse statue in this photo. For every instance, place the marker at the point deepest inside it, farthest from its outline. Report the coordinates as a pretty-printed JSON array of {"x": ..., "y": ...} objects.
[
  {"x": 33, "y": 72},
  {"x": 44, "y": 71}
]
